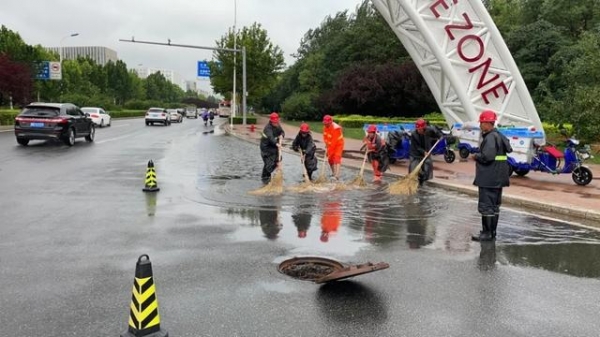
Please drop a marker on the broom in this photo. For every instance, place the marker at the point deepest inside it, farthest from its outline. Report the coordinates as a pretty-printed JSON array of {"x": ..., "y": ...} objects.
[
  {"x": 322, "y": 179},
  {"x": 409, "y": 184},
  {"x": 307, "y": 185},
  {"x": 275, "y": 186},
  {"x": 359, "y": 181}
]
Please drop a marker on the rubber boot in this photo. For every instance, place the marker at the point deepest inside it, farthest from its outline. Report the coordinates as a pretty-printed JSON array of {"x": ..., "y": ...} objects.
[
  {"x": 495, "y": 225},
  {"x": 486, "y": 233}
]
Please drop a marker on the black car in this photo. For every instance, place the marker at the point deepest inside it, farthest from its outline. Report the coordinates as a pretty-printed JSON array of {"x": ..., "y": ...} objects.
[{"x": 62, "y": 121}]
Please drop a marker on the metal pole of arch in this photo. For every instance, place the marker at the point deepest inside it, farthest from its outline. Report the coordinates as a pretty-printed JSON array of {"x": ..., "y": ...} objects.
[{"x": 204, "y": 48}]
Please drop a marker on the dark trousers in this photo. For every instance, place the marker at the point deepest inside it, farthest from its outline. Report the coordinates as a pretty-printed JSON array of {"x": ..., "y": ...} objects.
[
  {"x": 270, "y": 161},
  {"x": 490, "y": 200}
]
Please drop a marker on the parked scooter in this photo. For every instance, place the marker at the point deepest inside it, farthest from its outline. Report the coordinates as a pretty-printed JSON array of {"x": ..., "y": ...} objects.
[
  {"x": 398, "y": 144},
  {"x": 548, "y": 158}
]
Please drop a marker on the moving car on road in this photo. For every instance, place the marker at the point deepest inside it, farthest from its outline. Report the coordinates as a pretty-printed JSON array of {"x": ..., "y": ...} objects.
[
  {"x": 175, "y": 116},
  {"x": 62, "y": 121},
  {"x": 100, "y": 117},
  {"x": 157, "y": 115}
]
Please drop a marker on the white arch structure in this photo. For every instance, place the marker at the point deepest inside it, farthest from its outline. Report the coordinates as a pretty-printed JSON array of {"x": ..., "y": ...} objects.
[{"x": 463, "y": 58}]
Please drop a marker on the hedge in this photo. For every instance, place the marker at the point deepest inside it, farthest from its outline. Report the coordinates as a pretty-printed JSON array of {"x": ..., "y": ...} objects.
[{"x": 240, "y": 120}]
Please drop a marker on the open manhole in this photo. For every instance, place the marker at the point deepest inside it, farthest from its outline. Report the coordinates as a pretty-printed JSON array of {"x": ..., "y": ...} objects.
[
  {"x": 322, "y": 270},
  {"x": 309, "y": 268}
]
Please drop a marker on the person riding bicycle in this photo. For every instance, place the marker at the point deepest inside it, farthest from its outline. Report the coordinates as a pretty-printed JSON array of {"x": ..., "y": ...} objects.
[
  {"x": 211, "y": 116},
  {"x": 205, "y": 117}
]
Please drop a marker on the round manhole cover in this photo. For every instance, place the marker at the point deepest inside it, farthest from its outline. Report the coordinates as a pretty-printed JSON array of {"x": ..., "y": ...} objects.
[{"x": 309, "y": 268}]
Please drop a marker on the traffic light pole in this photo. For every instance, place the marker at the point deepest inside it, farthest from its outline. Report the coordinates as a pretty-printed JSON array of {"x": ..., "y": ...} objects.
[{"x": 235, "y": 50}]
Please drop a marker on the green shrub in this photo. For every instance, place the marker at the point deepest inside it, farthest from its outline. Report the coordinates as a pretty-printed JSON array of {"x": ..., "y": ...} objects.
[
  {"x": 240, "y": 120},
  {"x": 299, "y": 106}
]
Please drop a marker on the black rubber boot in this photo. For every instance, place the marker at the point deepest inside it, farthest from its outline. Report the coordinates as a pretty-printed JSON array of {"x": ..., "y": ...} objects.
[
  {"x": 486, "y": 233},
  {"x": 495, "y": 225}
]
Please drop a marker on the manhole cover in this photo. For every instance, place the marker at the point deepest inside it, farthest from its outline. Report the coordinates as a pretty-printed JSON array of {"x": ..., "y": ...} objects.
[{"x": 309, "y": 268}]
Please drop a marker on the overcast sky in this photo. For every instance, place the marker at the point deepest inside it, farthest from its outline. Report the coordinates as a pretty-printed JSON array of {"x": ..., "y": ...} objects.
[{"x": 194, "y": 22}]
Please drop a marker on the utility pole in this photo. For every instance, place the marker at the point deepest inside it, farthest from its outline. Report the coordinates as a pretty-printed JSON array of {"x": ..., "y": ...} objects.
[{"x": 243, "y": 51}]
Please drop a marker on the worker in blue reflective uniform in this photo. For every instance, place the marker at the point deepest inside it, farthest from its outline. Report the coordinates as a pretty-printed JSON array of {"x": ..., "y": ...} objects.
[{"x": 491, "y": 174}]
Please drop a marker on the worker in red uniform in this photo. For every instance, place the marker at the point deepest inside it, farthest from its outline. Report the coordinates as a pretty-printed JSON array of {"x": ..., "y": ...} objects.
[
  {"x": 334, "y": 141},
  {"x": 376, "y": 152}
]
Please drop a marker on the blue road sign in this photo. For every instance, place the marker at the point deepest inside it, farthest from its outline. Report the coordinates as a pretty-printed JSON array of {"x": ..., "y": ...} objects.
[
  {"x": 44, "y": 71},
  {"x": 203, "y": 69}
]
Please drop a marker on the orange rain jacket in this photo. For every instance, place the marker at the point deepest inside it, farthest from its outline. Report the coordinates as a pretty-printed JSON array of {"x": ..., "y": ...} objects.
[{"x": 334, "y": 140}]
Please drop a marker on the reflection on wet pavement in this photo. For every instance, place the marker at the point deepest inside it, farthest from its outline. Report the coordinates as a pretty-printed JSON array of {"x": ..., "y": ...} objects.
[{"x": 342, "y": 223}]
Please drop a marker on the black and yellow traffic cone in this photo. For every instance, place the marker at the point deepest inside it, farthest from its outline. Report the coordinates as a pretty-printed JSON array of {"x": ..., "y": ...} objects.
[
  {"x": 144, "y": 319},
  {"x": 151, "y": 183}
]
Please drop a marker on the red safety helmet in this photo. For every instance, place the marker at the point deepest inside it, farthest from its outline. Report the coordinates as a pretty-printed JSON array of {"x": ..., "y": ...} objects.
[
  {"x": 420, "y": 124},
  {"x": 304, "y": 128},
  {"x": 372, "y": 128},
  {"x": 327, "y": 119},
  {"x": 274, "y": 117},
  {"x": 301, "y": 234},
  {"x": 487, "y": 116}
]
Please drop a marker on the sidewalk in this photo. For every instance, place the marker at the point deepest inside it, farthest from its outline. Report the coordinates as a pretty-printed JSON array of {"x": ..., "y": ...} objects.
[{"x": 539, "y": 191}]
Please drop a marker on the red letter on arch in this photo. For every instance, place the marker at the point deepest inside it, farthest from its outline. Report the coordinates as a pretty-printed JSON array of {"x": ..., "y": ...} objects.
[
  {"x": 434, "y": 6},
  {"x": 461, "y": 44},
  {"x": 486, "y": 68},
  {"x": 494, "y": 90},
  {"x": 467, "y": 26}
]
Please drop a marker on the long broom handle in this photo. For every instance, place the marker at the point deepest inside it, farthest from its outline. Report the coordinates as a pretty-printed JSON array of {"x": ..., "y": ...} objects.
[
  {"x": 429, "y": 153},
  {"x": 304, "y": 171},
  {"x": 362, "y": 168}
]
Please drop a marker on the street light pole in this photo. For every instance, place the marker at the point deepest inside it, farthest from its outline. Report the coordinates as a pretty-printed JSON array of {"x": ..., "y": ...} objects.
[
  {"x": 234, "y": 101},
  {"x": 61, "y": 44}
]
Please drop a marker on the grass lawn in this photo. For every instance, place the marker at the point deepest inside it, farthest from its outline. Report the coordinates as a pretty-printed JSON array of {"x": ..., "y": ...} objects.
[{"x": 354, "y": 133}]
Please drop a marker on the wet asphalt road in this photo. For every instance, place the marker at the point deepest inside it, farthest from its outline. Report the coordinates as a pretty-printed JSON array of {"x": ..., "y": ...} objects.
[{"x": 74, "y": 221}]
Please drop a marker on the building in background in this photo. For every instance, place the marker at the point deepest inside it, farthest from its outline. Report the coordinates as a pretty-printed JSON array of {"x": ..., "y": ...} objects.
[
  {"x": 100, "y": 55},
  {"x": 170, "y": 75}
]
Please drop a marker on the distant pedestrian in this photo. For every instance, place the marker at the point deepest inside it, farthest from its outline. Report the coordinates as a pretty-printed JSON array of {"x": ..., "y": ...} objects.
[
  {"x": 304, "y": 142},
  {"x": 211, "y": 116},
  {"x": 205, "y": 117},
  {"x": 270, "y": 142},
  {"x": 491, "y": 174},
  {"x": 333, "y": 137}
]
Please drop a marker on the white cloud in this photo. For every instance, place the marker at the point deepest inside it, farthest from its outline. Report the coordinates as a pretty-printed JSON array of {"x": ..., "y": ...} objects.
[{"x": 202, "y": 22}]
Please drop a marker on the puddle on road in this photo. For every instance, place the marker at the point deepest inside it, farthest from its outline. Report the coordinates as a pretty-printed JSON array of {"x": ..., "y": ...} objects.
[{"x": 343, "y": 223}]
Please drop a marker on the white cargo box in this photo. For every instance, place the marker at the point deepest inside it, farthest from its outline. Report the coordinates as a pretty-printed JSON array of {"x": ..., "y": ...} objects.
[
  {"x": 522, "y": 141},
  {"x": 468, "y": 133}
]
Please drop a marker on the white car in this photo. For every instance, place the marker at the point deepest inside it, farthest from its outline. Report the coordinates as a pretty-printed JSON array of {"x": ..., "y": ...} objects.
[
  {"x": 175, "y": 116},
  {"x": 100, "y": 117},
  {"x": 157, "y": 115}
]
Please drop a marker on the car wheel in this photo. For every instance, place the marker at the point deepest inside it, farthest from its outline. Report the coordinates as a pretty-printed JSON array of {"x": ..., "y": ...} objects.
[
  {"x": 23, "y": 141},
  {"x": 102, "y": 123},
  {"x": 92, "y": 135},
  {"x": 70, "y": 137},
  {"x": 109, "y": 122},
  {"x": 147, "y": 124}
]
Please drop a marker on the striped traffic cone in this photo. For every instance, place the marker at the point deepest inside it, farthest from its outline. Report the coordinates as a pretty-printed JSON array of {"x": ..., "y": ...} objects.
[
  {"x": 144, "y": 319},
  {"x": 151, "y": 183}
]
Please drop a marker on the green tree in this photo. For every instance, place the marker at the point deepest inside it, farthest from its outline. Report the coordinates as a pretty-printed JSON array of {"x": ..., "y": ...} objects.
[{"x": 263, "y": 59}]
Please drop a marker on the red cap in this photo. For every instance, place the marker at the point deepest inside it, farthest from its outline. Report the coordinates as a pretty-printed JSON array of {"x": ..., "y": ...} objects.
[
  {"x": 324, "y": 237},
  {"x": 327, "y": 119},
  {"x": 372, "y": 128},
  {"x": 274, "y": 117},
  {"x": 301, "y": 234},
  {"x": 421, "y": 124},
  {"x": 304, "y": 127},
  {"x": 487, "y": 116}
]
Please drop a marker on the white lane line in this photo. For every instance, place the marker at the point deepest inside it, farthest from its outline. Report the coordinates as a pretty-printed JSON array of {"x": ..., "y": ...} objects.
[
  {"x": 111, "y": 139},
  {"x": 118, "y": 126}
]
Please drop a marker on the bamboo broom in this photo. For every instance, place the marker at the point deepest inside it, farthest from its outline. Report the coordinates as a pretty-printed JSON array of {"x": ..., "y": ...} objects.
[
  {"x": 359, "y": 181},
  {"x": 409, "y": 184},
  {"x": 275, "y": 186}
]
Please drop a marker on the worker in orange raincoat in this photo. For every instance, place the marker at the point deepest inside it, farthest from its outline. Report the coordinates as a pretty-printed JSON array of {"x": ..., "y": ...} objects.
[
  {"x": 330, "y": 219},
  {"x": 376, "y": 152},
  {"x": 334, "y": 142}
]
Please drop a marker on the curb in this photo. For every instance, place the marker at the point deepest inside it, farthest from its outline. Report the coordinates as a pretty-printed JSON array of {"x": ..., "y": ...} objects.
[{"x": 472, "y": 191}]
